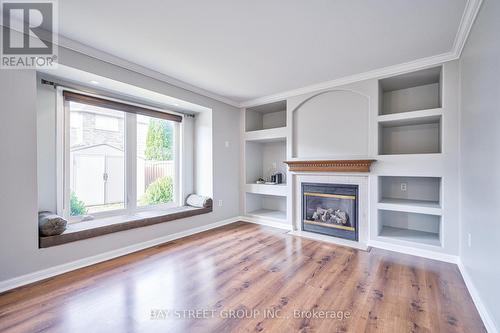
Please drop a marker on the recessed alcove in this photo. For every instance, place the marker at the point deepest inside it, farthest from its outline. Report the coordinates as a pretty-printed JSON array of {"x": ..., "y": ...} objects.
[
  {"x": 413, "y": 91},
  {"x": 330, "y": 124},
  {"x": 410, "y": 227},
  {"x": 417, "y": 191},
  {"x": 266, "y": 206},
  {"x": 410, "y": 136},
  {"x": 272, "y": 115},
  {"x": 264, "y": 159}
]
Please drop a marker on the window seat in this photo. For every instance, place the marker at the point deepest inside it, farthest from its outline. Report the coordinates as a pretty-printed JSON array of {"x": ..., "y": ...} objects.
[{"x": 88, "y": 229}]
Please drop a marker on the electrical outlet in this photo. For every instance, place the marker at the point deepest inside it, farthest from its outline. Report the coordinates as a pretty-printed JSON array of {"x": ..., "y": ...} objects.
[
  {"x": 404, "y": 187},
  {"x": 469, "y": 240},
  {"x": 274, "y": 165},
  {"x": 220, "y": 203},
  {"x": 226, "y": 143}
]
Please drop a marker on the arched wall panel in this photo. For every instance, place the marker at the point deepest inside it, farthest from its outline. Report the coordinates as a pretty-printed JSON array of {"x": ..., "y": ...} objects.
[{"x": 331, "y": 124}]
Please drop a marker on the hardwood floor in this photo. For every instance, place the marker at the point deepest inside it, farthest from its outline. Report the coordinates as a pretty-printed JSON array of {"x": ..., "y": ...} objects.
[{"x": 255, "y": 272}]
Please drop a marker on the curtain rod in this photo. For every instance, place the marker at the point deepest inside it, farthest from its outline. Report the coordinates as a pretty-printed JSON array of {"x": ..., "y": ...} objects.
[{"x": 56, "y": 84}]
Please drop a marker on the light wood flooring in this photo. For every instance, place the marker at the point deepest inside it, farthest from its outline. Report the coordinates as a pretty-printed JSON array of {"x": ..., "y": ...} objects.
[{"x": 247, "y": 278}]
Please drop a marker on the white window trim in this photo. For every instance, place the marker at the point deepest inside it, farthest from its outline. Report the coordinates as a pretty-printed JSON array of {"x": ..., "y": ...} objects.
[{"x": 63, "y": 128}]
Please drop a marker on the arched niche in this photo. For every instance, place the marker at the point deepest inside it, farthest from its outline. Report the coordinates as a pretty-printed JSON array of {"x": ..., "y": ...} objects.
[{"x": 329, "y": 124}]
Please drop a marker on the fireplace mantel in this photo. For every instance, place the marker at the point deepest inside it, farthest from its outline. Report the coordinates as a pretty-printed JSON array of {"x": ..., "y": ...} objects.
[{"x": 331, "y": 165}]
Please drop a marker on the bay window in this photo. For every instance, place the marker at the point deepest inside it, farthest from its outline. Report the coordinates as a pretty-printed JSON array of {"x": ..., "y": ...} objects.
[{"x": 118, "y": 158}]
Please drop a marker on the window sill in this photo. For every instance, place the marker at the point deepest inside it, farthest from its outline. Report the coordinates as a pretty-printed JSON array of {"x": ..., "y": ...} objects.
[{"x": 89, "y": 229}]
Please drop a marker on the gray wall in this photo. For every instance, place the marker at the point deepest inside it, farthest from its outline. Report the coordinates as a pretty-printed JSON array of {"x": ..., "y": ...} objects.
[
  {"x": 19, "y": 253},
  {"x": 480, "y": 143},
  {"x": 344, "y": 133},
  {"x": 46, "y": 147}
]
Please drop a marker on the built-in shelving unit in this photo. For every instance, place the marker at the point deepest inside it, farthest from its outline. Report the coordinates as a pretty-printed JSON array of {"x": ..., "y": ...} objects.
[
  {"x": 268, "y": 207},
  {"x": 409, "y": 235},
  {"x": 410, "y": 123},
  {"x": 410, "y": 191},
  {"x": 410, "y": 209},
  {"x": 267, "y": 135},
  {"x": 410, "y": 113},
  {"x": 262, "y": 159},
  {"x": 420, "y": 135},
  {"x": 266, "y": 116},
  {"x": 265, "y": 139},
  {"x": 410, "y": 227},
  {"x": 279, "y": 189},
  {"x": 414, "y": 91}
]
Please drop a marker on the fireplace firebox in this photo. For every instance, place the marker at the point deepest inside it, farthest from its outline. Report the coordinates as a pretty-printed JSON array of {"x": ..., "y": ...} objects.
[{"x": 330, "y": 209}]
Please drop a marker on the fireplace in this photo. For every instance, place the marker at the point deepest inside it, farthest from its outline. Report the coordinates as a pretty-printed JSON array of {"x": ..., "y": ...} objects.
[{"x": 330, "y": 209}]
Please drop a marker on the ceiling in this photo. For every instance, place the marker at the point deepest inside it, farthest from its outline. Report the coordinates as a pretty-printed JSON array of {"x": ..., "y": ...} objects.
[{"x": 243, "y": 50}]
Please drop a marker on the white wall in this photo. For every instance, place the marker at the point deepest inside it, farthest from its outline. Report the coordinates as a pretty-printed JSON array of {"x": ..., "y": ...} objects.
[
  {"x": 19, "y": 252},
  {"x": 480, "y": 155}
]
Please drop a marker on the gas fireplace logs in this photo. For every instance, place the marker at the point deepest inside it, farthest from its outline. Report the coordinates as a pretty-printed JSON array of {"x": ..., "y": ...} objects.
[{"x": 330, "y": 215}]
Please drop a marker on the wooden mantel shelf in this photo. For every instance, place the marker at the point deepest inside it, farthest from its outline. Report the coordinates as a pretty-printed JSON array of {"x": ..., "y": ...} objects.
[{"x": 331, "y": 165}]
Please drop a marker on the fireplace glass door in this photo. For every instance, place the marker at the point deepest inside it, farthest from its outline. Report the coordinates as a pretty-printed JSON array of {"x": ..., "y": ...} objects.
[{"x": 330, "y": 209}]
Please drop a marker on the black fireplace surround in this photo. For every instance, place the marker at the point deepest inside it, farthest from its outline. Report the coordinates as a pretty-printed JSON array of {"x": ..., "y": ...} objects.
[{"x": 330, "y": 209}]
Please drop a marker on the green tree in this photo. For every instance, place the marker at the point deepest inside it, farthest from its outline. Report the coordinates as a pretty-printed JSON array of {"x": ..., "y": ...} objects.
[
  {"x": 159, "y": 192},
  {"x": 77, "y": 205},
  {"x": 159, "y": 140}
]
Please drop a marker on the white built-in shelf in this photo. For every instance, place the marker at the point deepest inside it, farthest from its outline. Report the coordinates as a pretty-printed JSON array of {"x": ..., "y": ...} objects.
[
  {"x": 410, "y": 202},
  {"x": 410, "y": 133},
  {"x": 269, "y": 214},
  {"x": 412, "y": 206},
  {"x": 410, "y": 191},
  {"x": 421, "y": 135},
  {"x": 410, "y": 113},
  {"x": 410, "y": 194},
  {"x": 266, "y": 206},
  {"x": 262, "y": 159},
  {"x": 410, "y": 92},
  {"x": 278, "y": 189},
  {"x": 264, "y": 139},
  {"x": 412, "y": 116},
  {"x": 407, "y": 235},
  {"x": 409, "y": 226},
  {"x": 267, "y": 135},
  {"x": 267, "y": 116}
]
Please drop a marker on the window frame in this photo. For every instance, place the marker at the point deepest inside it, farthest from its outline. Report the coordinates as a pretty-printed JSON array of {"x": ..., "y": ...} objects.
[{"x": 63, "y": 127}]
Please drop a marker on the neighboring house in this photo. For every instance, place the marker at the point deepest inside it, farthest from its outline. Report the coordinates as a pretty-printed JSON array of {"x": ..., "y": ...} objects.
[{"x": 90, "y": 126}]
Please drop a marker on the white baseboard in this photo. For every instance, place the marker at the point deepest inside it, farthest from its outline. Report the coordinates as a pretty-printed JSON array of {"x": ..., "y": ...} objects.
[
  {"x": 481, "y": 308},
  {"x": 266, "y": 222},
  {"x": 414, "y": 251},
  {"x": 60, "y": 269}
]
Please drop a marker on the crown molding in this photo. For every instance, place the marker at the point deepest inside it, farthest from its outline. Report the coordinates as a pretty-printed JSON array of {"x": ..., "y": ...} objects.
[
  {"x": 469, "y": 16},
  {"x": 377, "y": 73},
  {"x": 125, "y": 64}
]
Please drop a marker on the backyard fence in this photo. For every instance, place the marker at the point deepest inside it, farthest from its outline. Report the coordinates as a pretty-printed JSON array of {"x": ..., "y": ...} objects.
[{"x": 157, "y": 169}]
